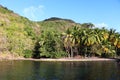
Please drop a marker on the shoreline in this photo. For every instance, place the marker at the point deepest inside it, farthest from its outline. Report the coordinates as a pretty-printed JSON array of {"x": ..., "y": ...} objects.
[
  {"x": 65, "y": 59},
  {"x": 7, "y": 57}
]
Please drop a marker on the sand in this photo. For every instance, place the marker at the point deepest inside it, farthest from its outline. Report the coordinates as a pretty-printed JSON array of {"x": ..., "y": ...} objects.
[
  {"x": 9, "y": 57},
  {"x": 65, "y": 59}
]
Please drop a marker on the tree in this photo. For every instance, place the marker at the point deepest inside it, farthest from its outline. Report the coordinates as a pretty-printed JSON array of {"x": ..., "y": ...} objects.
[
  {"x": 51, "y": 45},
  {"x": 87, "y": 25},
  {"x": 68, "y": 44}
]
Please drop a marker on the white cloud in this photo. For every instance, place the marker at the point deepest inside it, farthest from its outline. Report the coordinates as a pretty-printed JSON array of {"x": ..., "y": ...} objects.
[
  {"x": 101, "y": 25},
  {"x": 33, "y": 13}
]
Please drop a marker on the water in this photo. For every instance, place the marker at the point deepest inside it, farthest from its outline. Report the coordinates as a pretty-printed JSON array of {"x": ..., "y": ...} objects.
[{"x": 36, "y": 70}]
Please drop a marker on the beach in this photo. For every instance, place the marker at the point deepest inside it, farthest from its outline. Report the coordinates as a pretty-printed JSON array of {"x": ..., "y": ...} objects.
[
  {"x": 10, "y": 57},
  {"x": 65, "y": 59}
]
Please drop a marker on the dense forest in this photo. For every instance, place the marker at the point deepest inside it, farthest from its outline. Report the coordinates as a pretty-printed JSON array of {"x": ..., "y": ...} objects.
[{"x": 54, "y": 38}]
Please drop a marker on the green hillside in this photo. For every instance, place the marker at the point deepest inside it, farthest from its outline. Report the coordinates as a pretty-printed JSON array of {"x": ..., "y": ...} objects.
[
  {"x": 17, "y": 34},
  {"x": 58, "y": 24},
  {"x": 54, "y": 38}
]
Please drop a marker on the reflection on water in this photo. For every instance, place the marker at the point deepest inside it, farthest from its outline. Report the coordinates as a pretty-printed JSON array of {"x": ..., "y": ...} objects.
[{"x": 35, "y": 70}]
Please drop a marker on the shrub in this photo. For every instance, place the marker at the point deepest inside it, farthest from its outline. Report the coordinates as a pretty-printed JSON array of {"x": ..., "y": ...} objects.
[{"x": 27, "y": 53}]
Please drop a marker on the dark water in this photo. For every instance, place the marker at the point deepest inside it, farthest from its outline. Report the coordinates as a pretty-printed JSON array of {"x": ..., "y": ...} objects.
[{"x": 36, "y": 70}]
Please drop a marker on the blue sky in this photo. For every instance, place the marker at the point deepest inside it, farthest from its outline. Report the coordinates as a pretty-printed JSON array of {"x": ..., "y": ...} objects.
[{"x": 103, "y": 13}]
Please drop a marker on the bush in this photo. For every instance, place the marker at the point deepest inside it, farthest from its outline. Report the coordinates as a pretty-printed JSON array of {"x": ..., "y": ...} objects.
[
  {"x": 60, "y": 54},
  {"x": 108, "y": 55},
  {"x": 27, "y": 53}
]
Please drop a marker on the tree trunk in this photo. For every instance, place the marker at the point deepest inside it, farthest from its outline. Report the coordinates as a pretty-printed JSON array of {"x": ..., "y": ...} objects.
[
  {"x": 71, "y": 52},
  {"x": 68, "y": 51},
  {"x": 85, "y": 55}
]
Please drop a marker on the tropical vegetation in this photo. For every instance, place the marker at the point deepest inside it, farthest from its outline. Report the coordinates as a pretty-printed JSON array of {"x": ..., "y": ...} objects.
[{"x": 55, "y": 38}]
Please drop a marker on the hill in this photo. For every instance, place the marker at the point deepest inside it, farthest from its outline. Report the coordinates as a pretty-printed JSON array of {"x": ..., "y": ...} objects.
[
  {"x": 54, "y": 38},
  {"x": 57, "y": 24},
  {"x": 18, "y": 34}
]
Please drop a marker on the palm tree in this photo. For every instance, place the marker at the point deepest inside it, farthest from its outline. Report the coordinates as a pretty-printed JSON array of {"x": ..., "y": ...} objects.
[
  {"x": 91, "y": 39},
  {"x": 76, "y": 38},
  {"x": 72, "y": 40},
  {"x": 67, "y": 41}
]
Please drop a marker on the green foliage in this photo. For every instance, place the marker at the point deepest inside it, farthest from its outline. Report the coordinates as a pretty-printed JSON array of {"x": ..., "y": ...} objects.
[
  {"x": 58, "y": 25},
  {"x": 60, "y": 54},
  {"x": 92, "y": 42},
  {"x": 17, "y": 40},
  {"x": 17, "y": 32},
  {"x": 87, "y": 25},
  {"x": 4, "y": 10},
  {"x": 27, "y": 53},
  {"x": 59, "y": 19},
  {"x": 54, "y": 37},
  {"x": 50, "y": 44},
  {"x": 30, "y": 32}
]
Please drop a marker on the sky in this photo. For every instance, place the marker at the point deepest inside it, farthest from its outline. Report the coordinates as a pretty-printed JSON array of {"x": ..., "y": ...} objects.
[{"x": 102, "y": 13}]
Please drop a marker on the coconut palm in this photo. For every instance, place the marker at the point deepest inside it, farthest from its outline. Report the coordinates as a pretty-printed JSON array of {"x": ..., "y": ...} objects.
[{"x": 68, "y": 42}]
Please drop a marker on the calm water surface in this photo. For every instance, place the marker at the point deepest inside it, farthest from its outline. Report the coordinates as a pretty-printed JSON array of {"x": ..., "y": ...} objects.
[{"x": 36, "y": 70}]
